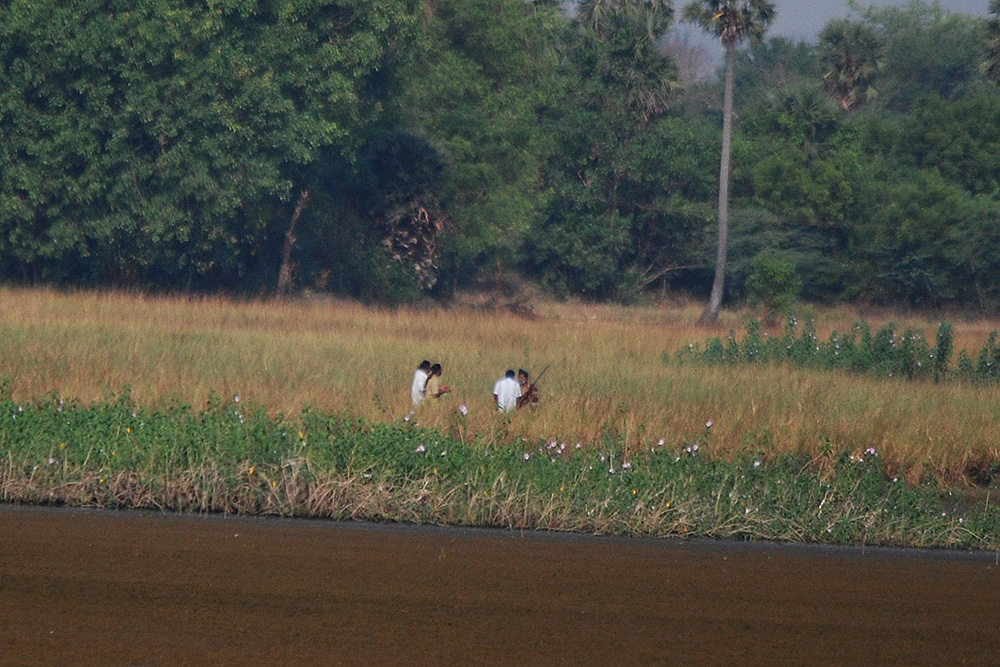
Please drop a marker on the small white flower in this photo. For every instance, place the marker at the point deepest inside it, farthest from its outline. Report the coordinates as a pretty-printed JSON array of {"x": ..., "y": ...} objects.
[
  {"x": 626, "y": 466},
  {"x": 708, "y": 424},
  {"x": 236, "y": 398},
  {"x": 464, "y": 410},
  {"x": 53, "y": 461},
  {"x": 871, "y": 451},
  {"x": 578, "y": 445},
  {"x": 756, "y": 464},
  {"x": 611, "y": 470},
  {"x": 444, "y": 452},
  {"x": 660, "y": 443},
  {"x": 420, "y": 449},
  {"x": 527, "y": 456}
]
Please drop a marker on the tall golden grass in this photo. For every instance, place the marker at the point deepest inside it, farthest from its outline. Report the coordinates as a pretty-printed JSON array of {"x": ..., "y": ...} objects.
[{"x": 605, "y": 375}]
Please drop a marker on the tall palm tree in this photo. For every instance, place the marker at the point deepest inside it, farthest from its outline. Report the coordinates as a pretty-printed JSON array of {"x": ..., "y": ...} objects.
[
  {"x": 627, "y": 34},
  {"x": 732, "y": 21},
  {"x": 852, "y": 53},
  {"x": 596, "y": 14},
  {"x": 993, "y": 43}
]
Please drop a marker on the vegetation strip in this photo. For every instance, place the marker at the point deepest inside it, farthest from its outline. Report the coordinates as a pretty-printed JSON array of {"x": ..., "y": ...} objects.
[
  {"x": 233, "y": 459},
  {"x": 887, "y": 353}
]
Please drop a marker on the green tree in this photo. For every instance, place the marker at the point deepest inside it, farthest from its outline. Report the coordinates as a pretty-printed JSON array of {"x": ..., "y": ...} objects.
[
  {"x": 732, "y": 22},
  {"x": 628, "y": 177},
  {"x": 773, "y": 286},
  {"x": 916, "y": 62},
  {"x": 771, "y": 64},
  {"x": 600, "y": 16},
  {"x": 168, "y": 144},
  {"x": 481, "y": 91},
  {"x": 852, "y": 55}
]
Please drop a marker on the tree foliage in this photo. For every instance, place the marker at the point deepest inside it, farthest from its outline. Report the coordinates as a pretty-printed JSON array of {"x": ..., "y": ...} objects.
[
  {"x": 852, "y": 54},
  {"x": 387, "y": 149},
  {"x": 153, "y": 139}
]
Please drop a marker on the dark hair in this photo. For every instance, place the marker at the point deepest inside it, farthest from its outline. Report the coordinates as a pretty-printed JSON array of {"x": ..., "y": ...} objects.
[
  {"x": 509, "y": 373},
  {"x": 424, "y": 365},
  {"x": 435, "y": 369},
  {"x": 523, "y": 372}
]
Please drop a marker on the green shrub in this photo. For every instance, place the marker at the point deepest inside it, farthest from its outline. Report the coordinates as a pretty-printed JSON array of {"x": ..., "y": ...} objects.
[{"x": 773, "y": 286}]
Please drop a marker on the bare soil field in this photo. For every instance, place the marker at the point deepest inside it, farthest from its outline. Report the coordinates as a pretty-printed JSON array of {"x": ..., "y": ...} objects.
[{"x": 81, "y": 587}]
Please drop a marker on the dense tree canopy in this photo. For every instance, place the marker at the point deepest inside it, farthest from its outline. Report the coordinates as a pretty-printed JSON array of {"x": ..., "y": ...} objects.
[
  {"x": 385, "y": 149},
  {"x": 155, "y": 142}
]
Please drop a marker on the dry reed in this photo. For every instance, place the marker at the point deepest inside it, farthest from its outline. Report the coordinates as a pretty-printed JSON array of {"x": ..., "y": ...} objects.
[{"x": 605, "y": 376}]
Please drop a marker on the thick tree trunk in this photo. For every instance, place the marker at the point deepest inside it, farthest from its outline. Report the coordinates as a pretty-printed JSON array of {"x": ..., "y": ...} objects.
[
  {"x": 711, "y": 313},
  {"x": 285, "y": 272}
]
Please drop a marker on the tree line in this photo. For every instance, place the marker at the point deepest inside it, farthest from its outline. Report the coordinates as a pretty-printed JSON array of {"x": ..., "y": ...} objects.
[{"x": 384, "y": 149}]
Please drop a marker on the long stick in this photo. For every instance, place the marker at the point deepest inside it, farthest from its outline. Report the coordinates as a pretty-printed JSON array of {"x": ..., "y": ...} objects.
[{"x": 531, "y": 387}]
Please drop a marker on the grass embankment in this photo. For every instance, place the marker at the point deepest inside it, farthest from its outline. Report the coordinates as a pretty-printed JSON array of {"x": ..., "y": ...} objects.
[{"x": 791, "y": 454}]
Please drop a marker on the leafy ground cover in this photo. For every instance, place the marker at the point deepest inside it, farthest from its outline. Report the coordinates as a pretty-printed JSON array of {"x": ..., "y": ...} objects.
[{"x": 232, "y": 458}]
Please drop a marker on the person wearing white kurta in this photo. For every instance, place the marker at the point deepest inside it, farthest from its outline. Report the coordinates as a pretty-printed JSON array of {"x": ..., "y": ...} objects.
[
  {"x": 419, "y": 388},
  {"x": 506, "y": 391}
]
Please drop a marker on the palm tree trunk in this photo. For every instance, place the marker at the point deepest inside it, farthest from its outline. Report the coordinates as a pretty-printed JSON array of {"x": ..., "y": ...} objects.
[{"x": 711, "y": 313}]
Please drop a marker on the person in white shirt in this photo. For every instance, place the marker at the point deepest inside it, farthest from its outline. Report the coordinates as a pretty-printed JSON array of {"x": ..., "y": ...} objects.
[
  {"x": 506, "y": 391},
  {"x": 419, "y": 389}
]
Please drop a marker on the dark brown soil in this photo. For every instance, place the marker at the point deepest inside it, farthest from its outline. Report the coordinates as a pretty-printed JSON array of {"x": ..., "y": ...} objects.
[{"x": 87, "y": 587}]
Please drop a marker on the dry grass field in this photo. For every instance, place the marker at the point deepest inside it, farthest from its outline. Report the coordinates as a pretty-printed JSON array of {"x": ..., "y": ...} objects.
[{"x": 605, "y": 373}]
